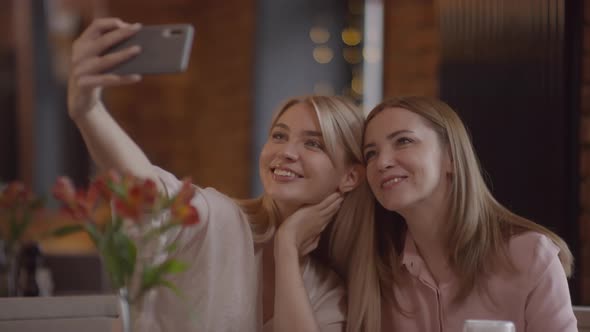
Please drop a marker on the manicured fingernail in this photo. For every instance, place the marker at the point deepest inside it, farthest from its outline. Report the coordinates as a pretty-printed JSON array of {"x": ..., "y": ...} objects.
[{"x": 136, "y": 26}]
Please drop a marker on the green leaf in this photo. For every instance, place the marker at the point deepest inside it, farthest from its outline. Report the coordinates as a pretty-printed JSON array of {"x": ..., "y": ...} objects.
[
  {"x": 150, "y": 277},
  {"x": 119, "y": 254},
  {"x": 127, "y": 253},
  {"x": 108, "y": 229},
  {"x": 113, "y": 268},
  {"x": 94, "y": 235},
  {"x": 153, "y": 275},
  {"x": 171, "y": 286},
  {"x": 117, "y": 224},
  {"x": 117, "y": 189},
  {"x": 67, "y": 230},
  {"x": 173, "y": 266},
  {"x": 171, "y": 247}
]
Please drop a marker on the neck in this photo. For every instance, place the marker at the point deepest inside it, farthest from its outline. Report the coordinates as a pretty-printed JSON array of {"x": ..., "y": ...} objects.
[
  {"x": 426, "y": 228},
  {"x": 285, "y": 211},
  {"x": 426, "y": 223}
]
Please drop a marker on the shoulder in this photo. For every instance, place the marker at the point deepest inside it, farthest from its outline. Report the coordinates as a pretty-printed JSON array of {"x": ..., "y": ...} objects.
[
  {"x": 205, "y": 199},
  {"x": 543, "y": 281},
  {"x": 532, "y": 244},
  {"x": 532, "y": 253},
  {"x": 220, "y": 218}
]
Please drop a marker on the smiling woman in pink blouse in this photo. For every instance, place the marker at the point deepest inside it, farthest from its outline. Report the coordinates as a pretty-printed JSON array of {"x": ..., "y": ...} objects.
[{"x": 447, "y": 251}]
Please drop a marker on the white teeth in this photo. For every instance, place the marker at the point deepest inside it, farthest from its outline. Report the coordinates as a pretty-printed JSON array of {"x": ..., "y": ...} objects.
[
  {"x": 282, "y": 172},
  {"x": 394, "y": 180}
]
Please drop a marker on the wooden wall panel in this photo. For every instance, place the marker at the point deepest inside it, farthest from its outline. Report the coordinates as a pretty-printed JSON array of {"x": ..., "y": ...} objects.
[
  {"x": 412, "y": 48},
  {"x": 197, "y": 123}
]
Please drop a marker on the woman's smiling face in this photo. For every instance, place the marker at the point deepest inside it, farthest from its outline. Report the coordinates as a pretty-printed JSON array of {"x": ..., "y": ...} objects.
[
  {"x": 406, "y": 162},
  {"x": 294, "y": 166}
]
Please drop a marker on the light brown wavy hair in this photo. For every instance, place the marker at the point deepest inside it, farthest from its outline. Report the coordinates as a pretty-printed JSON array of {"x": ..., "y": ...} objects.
[{"x": 477, "y": 232}]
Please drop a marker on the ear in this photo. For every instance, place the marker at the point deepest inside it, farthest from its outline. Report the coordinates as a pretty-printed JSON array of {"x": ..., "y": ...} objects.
[{"x": 352, "y": 178}]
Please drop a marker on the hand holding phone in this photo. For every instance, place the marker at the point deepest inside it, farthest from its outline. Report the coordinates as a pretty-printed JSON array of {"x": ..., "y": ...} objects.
[
  {"x": 89, "y": 63},
  {"x": 164, "y": 49},
  {"x": 111, "y": 52}
]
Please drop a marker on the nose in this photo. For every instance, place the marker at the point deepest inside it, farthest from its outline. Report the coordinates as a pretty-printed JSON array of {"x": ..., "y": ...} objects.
[
  {"x": 289, "y": 152},
  {"x": 385, "y": 160}
]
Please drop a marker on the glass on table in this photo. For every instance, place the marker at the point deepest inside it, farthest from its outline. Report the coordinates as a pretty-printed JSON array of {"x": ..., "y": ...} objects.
[{"x": 477, "y": 325}]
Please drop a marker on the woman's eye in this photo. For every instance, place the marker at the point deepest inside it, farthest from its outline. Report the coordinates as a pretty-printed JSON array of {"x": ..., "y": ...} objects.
[
  {"x": 404, "y": 140},
  {"x": 369, "y": 155},
  {"x": 278, "y": 136},
  {"x": 315, "y": 144}
]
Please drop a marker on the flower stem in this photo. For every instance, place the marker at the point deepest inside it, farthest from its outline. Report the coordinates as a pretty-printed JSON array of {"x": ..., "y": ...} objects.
[{"x": 125, "y": 307}]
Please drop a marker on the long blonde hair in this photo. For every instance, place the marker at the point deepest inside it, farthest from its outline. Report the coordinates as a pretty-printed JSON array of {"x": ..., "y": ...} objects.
[
  {"x": 479, "y": 227},
  {"x": 342, "y": 124}
]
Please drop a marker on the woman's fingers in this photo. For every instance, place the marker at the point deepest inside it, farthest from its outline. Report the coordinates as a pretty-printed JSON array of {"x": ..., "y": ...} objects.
[
  {"x": 322, "y": 220},
  {"x": 328, "y": 201},
  {"x": 322, "y": 213},
  {"x": 89, "y": 62},
  {"x": 112, "y": 38},
  {"x": 99, "y": 64},
  {"x": 89, "y": 48},
  {"x": 101, "y": 25},
  {"x": 330, "y": 210},
  {"x": 308, "y": 222},
  {"x": 93, "y": 81}
]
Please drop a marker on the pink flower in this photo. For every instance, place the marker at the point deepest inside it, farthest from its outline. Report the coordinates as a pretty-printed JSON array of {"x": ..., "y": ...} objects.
[
  {"x": 15, "y": 194},
  {"x": 138, "y": 197},
  {"x": 181, "y": 209},
  {"x": 77, "y": 204}
]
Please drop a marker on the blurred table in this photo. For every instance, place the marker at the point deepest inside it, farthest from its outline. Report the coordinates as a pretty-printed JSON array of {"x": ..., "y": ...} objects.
[{"x": 94, "y": 313}]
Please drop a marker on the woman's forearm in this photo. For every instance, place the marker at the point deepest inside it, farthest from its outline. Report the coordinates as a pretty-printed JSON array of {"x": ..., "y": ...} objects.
[
  {"x": 109, "y": 146},
  {"x": 292, "y": 309}
]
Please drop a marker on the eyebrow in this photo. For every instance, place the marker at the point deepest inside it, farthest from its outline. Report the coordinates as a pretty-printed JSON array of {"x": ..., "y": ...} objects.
[
  {"x": 305, "y": 132},
  {"x": 389, "y": 137}
]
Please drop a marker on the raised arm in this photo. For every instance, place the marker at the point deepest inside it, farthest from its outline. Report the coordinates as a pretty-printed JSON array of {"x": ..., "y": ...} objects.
[
  {"x": 108, "y": 144},
  {"x": 297, "y": 236}
]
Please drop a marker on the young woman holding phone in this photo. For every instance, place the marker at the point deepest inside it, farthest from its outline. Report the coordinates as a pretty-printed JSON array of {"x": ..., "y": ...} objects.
[{"x": 252, "y": 262}]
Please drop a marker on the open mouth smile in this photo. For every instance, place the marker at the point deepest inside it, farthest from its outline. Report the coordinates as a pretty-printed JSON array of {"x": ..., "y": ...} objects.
[
  {"x": 392, "y": 181},
  {"x": 284, "y": 174}
]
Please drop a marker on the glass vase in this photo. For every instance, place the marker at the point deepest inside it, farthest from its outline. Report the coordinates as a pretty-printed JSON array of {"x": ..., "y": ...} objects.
[{"x": 8, "y": 269}]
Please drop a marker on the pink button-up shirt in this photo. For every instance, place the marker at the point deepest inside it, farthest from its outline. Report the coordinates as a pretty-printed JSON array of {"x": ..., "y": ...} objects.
[{"x": 534, "y": 299}]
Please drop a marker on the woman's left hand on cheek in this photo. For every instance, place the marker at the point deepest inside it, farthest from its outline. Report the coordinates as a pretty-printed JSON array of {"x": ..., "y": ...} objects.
[{"x": 301, "y": 232}]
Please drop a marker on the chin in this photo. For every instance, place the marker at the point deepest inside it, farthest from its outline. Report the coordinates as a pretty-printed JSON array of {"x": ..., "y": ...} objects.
[
  {"x": 395, "y": 205},
  {"x": 285, "y": 196}
]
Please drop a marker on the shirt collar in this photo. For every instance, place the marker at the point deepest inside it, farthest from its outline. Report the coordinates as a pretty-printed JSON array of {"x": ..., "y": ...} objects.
[
  {"x": 415, "y": 265},
  {"x": 410, "y": 257}
]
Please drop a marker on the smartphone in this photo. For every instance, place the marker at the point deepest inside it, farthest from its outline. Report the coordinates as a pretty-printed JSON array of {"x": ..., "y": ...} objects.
[{"x": 164, "y": 49}]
